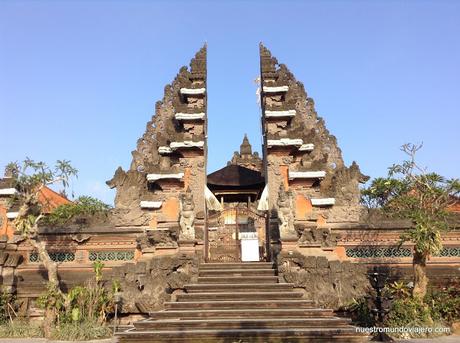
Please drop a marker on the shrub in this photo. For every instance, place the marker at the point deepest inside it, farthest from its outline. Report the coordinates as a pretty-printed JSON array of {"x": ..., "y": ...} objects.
[
  {"x": 82, "y": 207},
  {"x": 89, "y": 303},
  {"x": 445, "y": 303},
  {"x": 360, "y": 312},
  {"x": 7, "y": 307},
  {"x": 3, "y": 307}
]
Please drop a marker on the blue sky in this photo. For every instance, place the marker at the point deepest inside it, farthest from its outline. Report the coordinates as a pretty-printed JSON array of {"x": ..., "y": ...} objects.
[{"x": 79, "y": 79}]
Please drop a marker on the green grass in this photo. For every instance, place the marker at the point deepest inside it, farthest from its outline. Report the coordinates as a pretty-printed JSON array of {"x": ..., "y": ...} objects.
[
  {"x": 82, "y": 331},
  {"x": 20, "y": 329}
]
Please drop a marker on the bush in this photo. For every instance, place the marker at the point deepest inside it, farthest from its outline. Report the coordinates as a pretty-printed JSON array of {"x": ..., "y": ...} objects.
[
  {"x": 440, "y": 308},
  {"x": 445, "y": 303},
  {"x": 20, "y": 329},
  {"x": 81, "y": 331},
  {"x": 360, "y": 312},
  {"x": 3, "y": 307},
  {"x": 82, "y": 207},
  {"x": 89, "y": 303},
  {"x": 413, "y": 313},
  {"x": 7, "y": 306}
]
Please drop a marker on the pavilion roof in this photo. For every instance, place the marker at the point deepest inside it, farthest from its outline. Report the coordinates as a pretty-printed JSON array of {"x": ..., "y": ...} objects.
[{"x": 234, "y": 175}]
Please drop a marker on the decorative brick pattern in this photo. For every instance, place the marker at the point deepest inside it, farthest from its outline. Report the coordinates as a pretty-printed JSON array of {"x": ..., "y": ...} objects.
[
  {"x": 111, "y": 255},
  {"x": 378, "y": 252},
  {"x": 56, "y": 256}
]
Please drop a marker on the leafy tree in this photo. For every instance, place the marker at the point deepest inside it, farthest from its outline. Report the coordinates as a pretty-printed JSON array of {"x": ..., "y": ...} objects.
[
  {"x": 30, "y": 178},
  {"x": 410, "y": 192}
]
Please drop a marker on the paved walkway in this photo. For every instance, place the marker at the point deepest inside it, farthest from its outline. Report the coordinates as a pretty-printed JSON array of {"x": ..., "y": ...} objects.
[
  {"x": 446, "y": 339},
  {"x": 44, "y": 340}
]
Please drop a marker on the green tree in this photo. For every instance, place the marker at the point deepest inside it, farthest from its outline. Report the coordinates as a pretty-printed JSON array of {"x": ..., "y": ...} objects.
[
  {"x": 30, "y": 178},
  {"x": 411, "y": 192}
]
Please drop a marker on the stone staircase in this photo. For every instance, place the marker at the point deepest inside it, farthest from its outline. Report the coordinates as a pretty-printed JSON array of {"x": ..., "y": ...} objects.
[{"x": 241, "y": 302}]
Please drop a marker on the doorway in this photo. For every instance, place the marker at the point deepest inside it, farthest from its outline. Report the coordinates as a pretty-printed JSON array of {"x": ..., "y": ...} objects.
[{"x": 236, "y": 235}]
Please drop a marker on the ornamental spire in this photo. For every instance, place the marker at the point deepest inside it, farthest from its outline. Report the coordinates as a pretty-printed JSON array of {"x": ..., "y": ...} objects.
[{"x": 245, "y": 147}]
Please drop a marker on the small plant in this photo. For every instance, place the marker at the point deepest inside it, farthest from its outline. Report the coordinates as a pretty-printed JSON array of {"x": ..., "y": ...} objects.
[
  {"x": 6, "y": 307},
  {"x": 52, "y": 300},
  {"x": 360, "y": 312},
  {"x": 399, "y": 289}
]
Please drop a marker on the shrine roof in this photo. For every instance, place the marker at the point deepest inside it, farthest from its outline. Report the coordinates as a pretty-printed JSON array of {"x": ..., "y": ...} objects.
[
  {"x": 234, "y": 175},
  {"x": 51, "y": 199}
]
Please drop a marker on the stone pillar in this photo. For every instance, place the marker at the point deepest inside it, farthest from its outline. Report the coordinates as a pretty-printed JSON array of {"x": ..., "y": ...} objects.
[
  {"x": 301, "y": 155},
  {"x": 170, "y": 158}
]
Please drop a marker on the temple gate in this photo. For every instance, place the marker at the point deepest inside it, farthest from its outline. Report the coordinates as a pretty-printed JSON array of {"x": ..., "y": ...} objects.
[{"x": 236, "y": 234}]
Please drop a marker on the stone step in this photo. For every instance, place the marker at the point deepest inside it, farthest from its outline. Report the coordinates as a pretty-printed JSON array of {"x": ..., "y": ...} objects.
[
  {"x": 238, "y": 279},
  {"x": 238, "y": 323},
  {"x": 237, "y": 272},
  {"x": 262, "y": 335},
  {"x": 241, "y": 265},
  {"x": 238, "y": 287},
  {"x": 238, "y": 304},
  {"x": 210, "y": 296},
  {"x": 242, "y": 313}
]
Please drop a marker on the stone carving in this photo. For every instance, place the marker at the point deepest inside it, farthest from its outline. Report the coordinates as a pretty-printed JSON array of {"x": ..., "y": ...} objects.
[
  {"x": 80, "y": 237},
  {"x": 157, "y": 238},
  {"x": 146, "y": 285},
  {"x": 286, "y": 213},
  {"x": 187, "y": 216},
  {"x": 323, "y": 237},
  {"x": 330, "y": 284},
  {"x": 11, "y": 171}
]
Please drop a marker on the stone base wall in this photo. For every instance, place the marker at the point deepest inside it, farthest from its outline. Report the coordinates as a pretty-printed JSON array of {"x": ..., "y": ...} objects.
[
  {"x": 330, "y": 274},
  {"x": 146, "y": 285},
  {"x": 329, "y": 284}
]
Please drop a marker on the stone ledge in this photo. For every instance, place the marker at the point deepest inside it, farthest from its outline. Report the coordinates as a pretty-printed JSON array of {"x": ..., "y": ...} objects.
[
  {"x": 164, "y": 150},
  {"x": 186, "y": 144},
  {"x": 192, "y": 91},
  {"x": 307, "y": 147},
  {"x": 323, "y": 202},
  {"x": 280, "y": 114},
  {"x": 307, "y": 174},
  {"x": 284, "y": 142},
  {"x": 279, "y": 89},
  {"x": 12, "y": 215},
  {"x": 8, "y": 191},
  {"x": 189, "y": 116},
  {"x": 150, "y": 204},
  {"x": 156, "y": 177},
  {"x": 180, "y": 145}
]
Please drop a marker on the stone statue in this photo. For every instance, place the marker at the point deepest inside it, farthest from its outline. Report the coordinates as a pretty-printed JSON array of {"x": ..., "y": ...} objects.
[
  {"x": 285, "y": 214},
  {"x": 11, "y": 170},
  {"x": 187, "y": 216}
]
